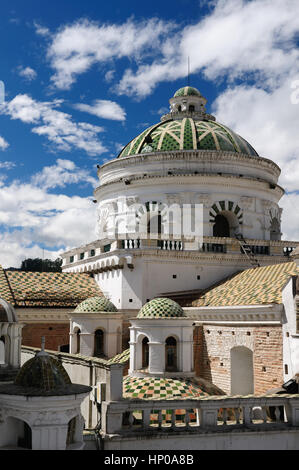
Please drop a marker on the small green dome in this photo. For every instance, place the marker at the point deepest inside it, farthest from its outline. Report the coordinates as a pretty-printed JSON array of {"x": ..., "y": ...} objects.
[
  {"x": 187, "y": 134},
  {"x": 95, "y": 304},
  {"x": 161, "y": 308},
  {"x": 187, "y": 91},
  {"x": 44, "y": 373}
]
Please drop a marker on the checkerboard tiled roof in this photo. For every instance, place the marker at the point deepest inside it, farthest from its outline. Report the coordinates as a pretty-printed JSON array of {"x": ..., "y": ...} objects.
[
  {"x": 121, "y": 358},
  {"x": 96, "y": 304},
  {"x": 161, "y": 307},
  {"x": 154, "y": 388},
  {"x": 254, "y": 286},
  {"x": 35, "y": 289}
]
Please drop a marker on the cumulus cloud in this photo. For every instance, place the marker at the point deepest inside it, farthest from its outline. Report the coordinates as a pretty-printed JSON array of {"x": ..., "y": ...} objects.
[
  {"x": 31, "y": 216},
  {"x": 58, "y": 127},
  {"x": 77, "y": 47},
  {"x": 232, "y": 41},
  {"x": 104, "y": 109},
  {"x": 28, "y": 73},
  {"x": 3, "y": 143},
  {"x": 62, "y": 173}
]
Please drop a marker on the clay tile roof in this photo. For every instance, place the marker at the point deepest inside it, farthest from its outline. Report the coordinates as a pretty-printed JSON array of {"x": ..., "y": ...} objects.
[
  {"x": 253, "y": 286},
  {"x": 35, "y": 289}
]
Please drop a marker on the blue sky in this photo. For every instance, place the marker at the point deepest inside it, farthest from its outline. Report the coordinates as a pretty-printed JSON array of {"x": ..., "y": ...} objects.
[{"x": 83, "y": 78}]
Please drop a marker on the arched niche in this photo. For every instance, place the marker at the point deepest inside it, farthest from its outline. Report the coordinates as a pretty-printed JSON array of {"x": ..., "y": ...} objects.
[
  {"x": 226, "y": 224},
  {"x": 275, "y": 233},
  {"x": 242, "y": 376},
  {"x": 2, "y": 351}
]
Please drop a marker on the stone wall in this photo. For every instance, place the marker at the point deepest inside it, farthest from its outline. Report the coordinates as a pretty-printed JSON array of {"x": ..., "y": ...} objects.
[{"x": 212, "y": 354}]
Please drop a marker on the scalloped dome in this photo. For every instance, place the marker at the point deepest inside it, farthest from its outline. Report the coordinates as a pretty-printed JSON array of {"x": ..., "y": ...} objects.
[
  {"x": 161, "y": 308},
  {"x": 187, "y": 134},
  {"x": 95, "y": 304},
  {"x": 44, "y": 373},
  {"x": 187, "y": 91}
]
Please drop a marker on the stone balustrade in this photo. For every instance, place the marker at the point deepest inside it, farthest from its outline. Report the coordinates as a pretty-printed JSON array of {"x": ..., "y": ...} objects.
[{"x": 213, "y": 414}]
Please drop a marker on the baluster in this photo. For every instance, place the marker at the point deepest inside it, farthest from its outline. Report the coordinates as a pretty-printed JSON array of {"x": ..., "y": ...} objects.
[
  {"x": 277, "y": 413},
  {"x": 146, "y": 414},
  {"x": 264, "y": 414},
  {"x": 173, "y": 418},
  {"x": 237, "y": 415},
  {"x": 246, "y": 415},
  {"x": 187, "y": 418},
  {"x": 224, "y": 416},
  {"x": 131, "y": 419},
  {"x": 159, "y": 418}
]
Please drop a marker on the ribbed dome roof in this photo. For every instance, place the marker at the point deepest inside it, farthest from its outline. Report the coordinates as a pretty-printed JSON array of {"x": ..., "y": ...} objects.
[
  {"x": 44, "y": 373},
  {"x": 187, "y": 91},
  {"x": 187, "y": 134},
  {"x": 95, "y": 304},
  {"x": 161, "y": 308}
]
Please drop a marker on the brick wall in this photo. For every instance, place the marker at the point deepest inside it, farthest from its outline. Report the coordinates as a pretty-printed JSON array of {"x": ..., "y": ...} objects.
[
  {"x": 56, "y": 334},
  {"x": 212, "y": 349}
]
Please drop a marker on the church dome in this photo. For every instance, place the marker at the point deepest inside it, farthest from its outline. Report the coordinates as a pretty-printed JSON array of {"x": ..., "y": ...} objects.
[
  {"x": 155, "y": 388},
  {"x": 161, "y": 308},
  {"x": 43, "y": 373},
  {"x": 95, "y": 304},
  {"x": 187, "y": 127},
  {"x": 187, "y": 91}
]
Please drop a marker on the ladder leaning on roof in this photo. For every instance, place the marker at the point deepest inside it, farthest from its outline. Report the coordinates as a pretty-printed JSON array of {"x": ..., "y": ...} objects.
[{"x": 247, "y": 250}]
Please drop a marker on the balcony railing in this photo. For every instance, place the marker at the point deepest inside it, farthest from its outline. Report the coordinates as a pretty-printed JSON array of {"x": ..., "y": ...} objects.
[{"x": 213, "y": 414}]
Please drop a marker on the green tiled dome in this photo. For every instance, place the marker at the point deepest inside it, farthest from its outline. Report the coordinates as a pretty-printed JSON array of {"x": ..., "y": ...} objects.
[
  {"x": 187, "y": 134},
  {"x": 161, "y": 308},
  {"x": 95, "y": 304},
  {"x": 187, "y": 91},
  {"x": 44, "y": 373},
  {"x": 153, "y": 388}
]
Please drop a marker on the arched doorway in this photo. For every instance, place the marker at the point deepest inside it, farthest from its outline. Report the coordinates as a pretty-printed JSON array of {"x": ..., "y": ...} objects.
[
  {"x": 171, "y": 354},
  {"x": 242, "y": 378},
  {"x": 99, "y": 343},
  {"x": 145, "y": 353},
  {"x": 221, "y": 226}
]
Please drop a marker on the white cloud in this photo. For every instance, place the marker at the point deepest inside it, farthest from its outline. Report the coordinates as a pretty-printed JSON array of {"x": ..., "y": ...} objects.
[
  {"x": 31, "y": 216},
  {"x": 76, "y": 47},
  {"x": 238, "y": 38},
  {"x": 3, "y": 143},
  {"x": 57, "y": 126},
  {"x": 63, "y": 173},
  {"x": 28, "y": 73},
  {"x": 41, "y": 30},
  {"x": 103, "y": 109},
  {"x": 7, "y": 165}
]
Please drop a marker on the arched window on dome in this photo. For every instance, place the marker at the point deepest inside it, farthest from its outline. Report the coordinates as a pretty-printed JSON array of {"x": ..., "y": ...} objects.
[
  {"x": 99, "y": 343},
  {"x": 221, "y": 226},
  {"x": 191, "y": 108},
  {"x": 179, "y": 108},
  {"x": 170, "y": 354},
  {"x": 145, "y": 353}
]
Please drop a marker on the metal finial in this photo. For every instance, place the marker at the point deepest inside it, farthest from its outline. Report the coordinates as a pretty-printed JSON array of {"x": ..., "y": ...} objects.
[
  {"x": 43, "y": 343},
  {"x": 188, "y": 81}
]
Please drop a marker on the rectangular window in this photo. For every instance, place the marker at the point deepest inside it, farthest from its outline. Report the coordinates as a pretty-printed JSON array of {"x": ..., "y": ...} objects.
[
  {"x": 107, "y": 248},
  {"x": 286, "y": 369},
  {"x": 71, "y": 259},
  {"x": 92, "y": 252},
  {"x": 81, "y": 255}
]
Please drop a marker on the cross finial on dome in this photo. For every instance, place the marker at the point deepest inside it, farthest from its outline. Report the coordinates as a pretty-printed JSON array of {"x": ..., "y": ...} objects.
[{"x": 42, "y": 352}]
